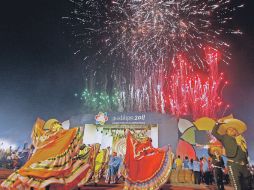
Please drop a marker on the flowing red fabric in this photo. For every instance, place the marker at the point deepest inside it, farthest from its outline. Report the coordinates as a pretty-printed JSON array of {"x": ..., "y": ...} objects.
[{"x": 142, "y": 161}]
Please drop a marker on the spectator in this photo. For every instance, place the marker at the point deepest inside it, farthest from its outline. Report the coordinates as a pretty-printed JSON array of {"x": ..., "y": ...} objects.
[
  {"x": 179, "y": 162},
  {"x": 190, "y": 164},
  {"x": 206, "y": 172},
  {"x": 179, "y": 165},
  {"x": 186, "y": 163},
  {"x": 210, "y": 168},
  {"x": 201, "y": 170},
  {"x": 114, "y": 164},
  {"x": 218, "y": 165},
  {"x": 196, "y": 170}
]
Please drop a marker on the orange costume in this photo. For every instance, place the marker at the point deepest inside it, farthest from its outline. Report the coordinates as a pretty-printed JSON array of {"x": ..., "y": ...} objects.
[
  {"x": 147, "y": 167},
  {"x": 53, "y": 162}
]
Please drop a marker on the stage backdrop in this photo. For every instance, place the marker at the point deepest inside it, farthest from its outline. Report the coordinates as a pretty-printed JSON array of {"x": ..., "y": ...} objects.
[{"x": 167, "y": 125}]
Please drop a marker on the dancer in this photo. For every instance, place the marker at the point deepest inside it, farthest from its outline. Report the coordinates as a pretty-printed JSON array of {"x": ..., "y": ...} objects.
[
  {"x": 52, "y": 162},
  {"x": 228, "y": 131},
  {"x": 100, "y": 160},
  {"x": 146, "y": 167}
]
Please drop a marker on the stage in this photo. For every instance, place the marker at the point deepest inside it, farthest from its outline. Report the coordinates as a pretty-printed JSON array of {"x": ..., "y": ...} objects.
[
  {"x": 165, "y": 187},
  {"x": 4, "y": 173}
]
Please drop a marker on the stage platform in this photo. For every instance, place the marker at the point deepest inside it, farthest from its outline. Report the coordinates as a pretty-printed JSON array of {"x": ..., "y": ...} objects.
[
  {"x": 165, "y": 187},
  {"x": 4, "y": 173}
]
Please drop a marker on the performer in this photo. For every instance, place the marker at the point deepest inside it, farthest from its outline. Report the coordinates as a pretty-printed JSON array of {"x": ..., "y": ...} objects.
[
  {"x": 215, "y": 153},
  {"x": 100, "y": 160},
  {"x": 146, "y": 167},
  {"x": 252, "y": 176},
  {"x": 104, "y": 168},
  {"x": 114, "y": 164},
  {"x": 52, "y": 162},
  {"x": 88, "y": 154},
  {"x": 228, "y": 131}
]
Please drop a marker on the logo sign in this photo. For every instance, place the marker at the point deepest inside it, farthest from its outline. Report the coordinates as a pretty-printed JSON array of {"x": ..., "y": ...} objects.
[
  {"x": 129, "y": 118},
  {"x": 101, "y": 118}
]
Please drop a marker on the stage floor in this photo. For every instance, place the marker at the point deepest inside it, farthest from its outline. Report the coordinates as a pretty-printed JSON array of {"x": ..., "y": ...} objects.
[
  {"x": 165, "y": 187},
  {"x": 103, "y": 186}
]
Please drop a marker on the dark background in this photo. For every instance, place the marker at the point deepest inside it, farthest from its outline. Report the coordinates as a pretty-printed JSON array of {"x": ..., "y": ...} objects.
[{"x": 39, "y": 74}]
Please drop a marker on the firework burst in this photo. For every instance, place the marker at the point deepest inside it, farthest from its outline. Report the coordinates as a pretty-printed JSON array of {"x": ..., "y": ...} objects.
[
  {"x": 153, "y": 31},
  {"x": 136, "y": 43},
  {"x": 196, "y": 94}
]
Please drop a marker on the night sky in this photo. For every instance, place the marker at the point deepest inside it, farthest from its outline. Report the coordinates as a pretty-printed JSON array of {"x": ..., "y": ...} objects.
[{"x": 39, "y": 74}]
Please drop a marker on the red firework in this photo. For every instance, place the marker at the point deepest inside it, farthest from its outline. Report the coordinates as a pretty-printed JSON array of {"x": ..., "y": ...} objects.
[{"x": 195, "y": 93}]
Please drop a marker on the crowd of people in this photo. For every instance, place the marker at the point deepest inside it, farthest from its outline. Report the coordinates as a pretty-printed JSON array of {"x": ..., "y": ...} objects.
[
  {"x": 205, "y": 170},
  {"x": 15, "y": 158},
  {"x": 58, "y": 158}
]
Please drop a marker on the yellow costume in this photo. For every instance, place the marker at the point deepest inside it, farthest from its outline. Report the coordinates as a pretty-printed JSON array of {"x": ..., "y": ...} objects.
[
  {"x": 89, "y": 155},
  {"x": 100, "y": 164},
  {"x": 53, "y": 161}
]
